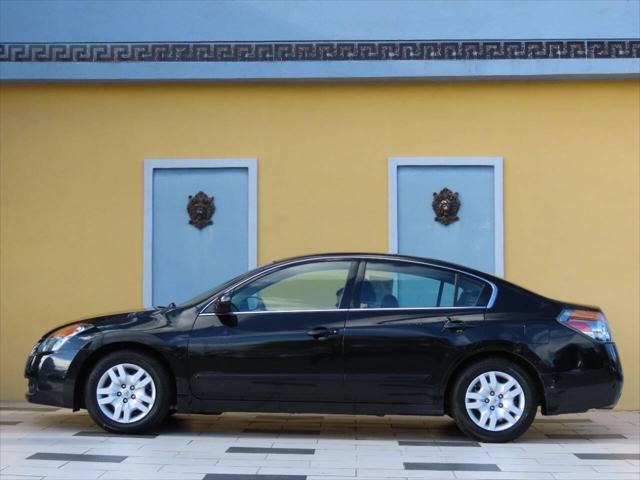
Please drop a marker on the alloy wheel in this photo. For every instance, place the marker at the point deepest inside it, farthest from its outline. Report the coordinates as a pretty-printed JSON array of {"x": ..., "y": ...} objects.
[
  {"x": 126, "y": 393},
  {"x": 495, "y": 401}
]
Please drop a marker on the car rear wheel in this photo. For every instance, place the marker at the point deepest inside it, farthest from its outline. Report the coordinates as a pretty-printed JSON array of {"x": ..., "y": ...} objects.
[
  {"x": 128, "y": 392},
  {"x": 494, "y": 401}
]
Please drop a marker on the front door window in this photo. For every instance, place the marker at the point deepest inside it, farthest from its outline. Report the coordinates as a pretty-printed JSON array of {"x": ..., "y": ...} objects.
[{"x": 309, "y": 286}]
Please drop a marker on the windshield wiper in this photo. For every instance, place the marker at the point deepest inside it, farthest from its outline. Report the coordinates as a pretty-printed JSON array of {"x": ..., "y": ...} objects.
[{"x": 162, "y": 307}]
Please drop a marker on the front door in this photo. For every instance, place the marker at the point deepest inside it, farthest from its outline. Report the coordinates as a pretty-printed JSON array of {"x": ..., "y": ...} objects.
[
  {"x": 407, "y": 326},
  {"x": 281, "y": 341}
]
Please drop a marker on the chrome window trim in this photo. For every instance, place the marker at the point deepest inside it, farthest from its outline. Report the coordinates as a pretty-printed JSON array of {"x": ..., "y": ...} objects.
[
  {"x": 352, "y": 310},
  {"x": 490, "y": 303},
  {"x": 254, "y": 312},
  {"x": 413, "y": 308}
]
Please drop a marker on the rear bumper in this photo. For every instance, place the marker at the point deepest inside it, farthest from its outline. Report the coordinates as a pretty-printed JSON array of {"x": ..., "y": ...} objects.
[{"x": 581, "y": 390}]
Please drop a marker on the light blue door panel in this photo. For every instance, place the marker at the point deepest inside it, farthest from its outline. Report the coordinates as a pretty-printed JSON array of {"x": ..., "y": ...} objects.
[
  {"x": 186, "y": 260},
  {"x": 469, "y": 241}
]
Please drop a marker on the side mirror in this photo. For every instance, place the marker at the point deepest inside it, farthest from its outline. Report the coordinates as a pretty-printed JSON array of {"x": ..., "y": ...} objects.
[
  {"x": 224, "y": 304},
  {"x": 225, "y": 309}
]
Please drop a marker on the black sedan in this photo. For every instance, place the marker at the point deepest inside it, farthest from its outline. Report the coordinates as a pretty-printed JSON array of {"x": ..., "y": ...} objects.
[{"x": 338, "y": 333}]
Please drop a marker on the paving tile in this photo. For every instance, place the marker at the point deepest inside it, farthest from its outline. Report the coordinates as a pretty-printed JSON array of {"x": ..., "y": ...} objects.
[
  {"x": 73, "y": 467},
  {"x": 380, "y": 473},
  {"x": 217, "y": 452},
  {"x": 608, "y": 456},
  {"x": 279, "y": 451},
  {"x": 437, "y": 443},
  {"x": 162, "y": 461},
  {"x": 275, "y": 431},
  {"x": 323, "y": 477},
  {"x": 72, "y": 457},
  {"x": 51, "y": 472},
  {"x": 28, "y": 409},
  {"x": 23, "y": 462},
  {"x": 563, "y": 420},
  {"x": 31, "y": 449},
  {"x": 293, "y": 442},
  {"x": 278, "y": 471},
  {"x": 386, "y": 462},
  {"x": 127, "y": 451},
  {"x": 204, "y": 470},
  {"x": 289, "y": 417},
  {"x": 88, "y": 433},
  {"x": 18, "y": 477},
  {"x": 505, "y": 475},
  {"x": 239, "y": 476},
  {"x": 536, "y": 467},
  {"x": 584, "y": 436},
  {"x": 473, "y": 467},
  {"x": 622, "y": 468},
  {"x": 594, "y": 476},
  {"x": 118, "y": 475},
  {"x": 274, "y": 461}
]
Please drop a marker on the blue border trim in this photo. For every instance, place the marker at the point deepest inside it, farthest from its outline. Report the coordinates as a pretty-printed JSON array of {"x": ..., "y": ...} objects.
[
  {"x": 498, "y": 189},
  {"x": 251, "y": 164}
]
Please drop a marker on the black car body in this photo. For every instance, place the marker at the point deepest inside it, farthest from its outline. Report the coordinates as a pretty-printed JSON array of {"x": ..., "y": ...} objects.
[{"x": 383, "y": 359}]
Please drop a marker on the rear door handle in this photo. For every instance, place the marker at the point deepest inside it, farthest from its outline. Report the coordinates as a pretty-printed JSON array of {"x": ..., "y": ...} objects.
[
  {"x": 457, "y": 325},
  {"x": 322, "y": 333}
]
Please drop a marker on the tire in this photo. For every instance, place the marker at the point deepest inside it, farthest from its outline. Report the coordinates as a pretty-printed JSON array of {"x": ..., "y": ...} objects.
[
  {"x": 494, "y": 418},
  {"x": 147, "y": 398}
]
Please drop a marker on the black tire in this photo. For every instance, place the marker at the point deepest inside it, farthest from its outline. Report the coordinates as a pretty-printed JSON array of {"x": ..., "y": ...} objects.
[
  {"x": 463, "y": 418},
  {"x": 158, "y": 411}
]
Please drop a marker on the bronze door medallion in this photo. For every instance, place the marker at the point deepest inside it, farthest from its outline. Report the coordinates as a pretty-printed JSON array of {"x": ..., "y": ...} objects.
[
  {"x": 200, "y": 209},
  {"x": 446, "y": 205}
]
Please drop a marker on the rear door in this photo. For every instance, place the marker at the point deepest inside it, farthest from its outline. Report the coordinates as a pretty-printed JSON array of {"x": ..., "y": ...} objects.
[{"x": 409, "y": 322}]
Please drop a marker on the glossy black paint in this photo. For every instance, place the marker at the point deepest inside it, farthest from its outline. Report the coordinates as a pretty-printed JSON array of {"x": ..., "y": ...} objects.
[{"x": 347, "y": 360}]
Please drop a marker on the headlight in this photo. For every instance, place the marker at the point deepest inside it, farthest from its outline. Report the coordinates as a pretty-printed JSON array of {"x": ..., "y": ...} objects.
[{"x": 55, "y": 340}]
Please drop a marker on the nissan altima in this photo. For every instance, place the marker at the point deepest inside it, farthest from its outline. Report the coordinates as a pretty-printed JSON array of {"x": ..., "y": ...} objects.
[{"x": 338, "y": 333}]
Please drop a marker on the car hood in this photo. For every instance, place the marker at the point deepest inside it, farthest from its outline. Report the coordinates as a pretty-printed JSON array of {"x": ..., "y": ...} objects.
[{"x": 119, "y": 319}]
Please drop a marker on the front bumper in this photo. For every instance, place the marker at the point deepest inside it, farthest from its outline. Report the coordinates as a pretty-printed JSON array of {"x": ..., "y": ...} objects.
[
  {"x": 581, "y": 390},
  {"x": 52, "y": 376}
]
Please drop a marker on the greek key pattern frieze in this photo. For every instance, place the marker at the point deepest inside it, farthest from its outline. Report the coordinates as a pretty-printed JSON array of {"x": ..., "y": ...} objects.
[{"x": 320, "y": 51}]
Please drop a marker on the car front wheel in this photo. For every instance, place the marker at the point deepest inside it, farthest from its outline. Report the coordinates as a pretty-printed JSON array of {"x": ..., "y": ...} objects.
[
  {"x": 127, "y": 392},
  {"x": 494, "y": 401}
]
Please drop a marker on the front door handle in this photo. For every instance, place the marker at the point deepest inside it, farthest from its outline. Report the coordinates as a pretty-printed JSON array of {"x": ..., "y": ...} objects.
[
  {"x": 457, "y": 325},
  {"x": 322, "y": 333}
]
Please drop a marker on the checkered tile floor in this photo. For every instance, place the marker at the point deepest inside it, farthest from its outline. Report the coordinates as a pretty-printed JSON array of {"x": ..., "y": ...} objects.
[{"x": 51, "y": 443}]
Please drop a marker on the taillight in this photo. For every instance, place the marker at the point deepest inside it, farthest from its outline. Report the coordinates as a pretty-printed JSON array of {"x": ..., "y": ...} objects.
[{"x": 591, "y": 323}]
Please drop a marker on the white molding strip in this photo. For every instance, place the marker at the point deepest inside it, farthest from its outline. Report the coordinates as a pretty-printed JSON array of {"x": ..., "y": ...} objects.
[
  {"x": 498, "y": 186},
  {"x": 251, "y": 164}
]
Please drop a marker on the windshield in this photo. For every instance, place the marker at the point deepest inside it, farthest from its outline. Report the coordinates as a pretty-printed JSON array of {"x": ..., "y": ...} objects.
[{"x": 218, "y": 288}]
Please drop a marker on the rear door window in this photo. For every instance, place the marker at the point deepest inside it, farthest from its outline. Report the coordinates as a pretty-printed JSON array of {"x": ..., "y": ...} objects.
[{"x": 407, "y": 285}]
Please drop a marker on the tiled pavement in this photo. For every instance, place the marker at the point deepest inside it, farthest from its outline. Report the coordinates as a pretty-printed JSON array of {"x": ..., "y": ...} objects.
[{"x": 52, "y": 443}]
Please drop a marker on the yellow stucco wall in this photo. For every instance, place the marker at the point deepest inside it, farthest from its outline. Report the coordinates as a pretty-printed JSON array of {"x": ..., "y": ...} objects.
[{"x": 72, "y": 184}]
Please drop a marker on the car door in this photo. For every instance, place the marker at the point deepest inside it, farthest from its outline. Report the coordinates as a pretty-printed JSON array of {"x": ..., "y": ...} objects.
[
  {"x": 408, "y": 323},
  {"x": 282, "y": 339}
]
